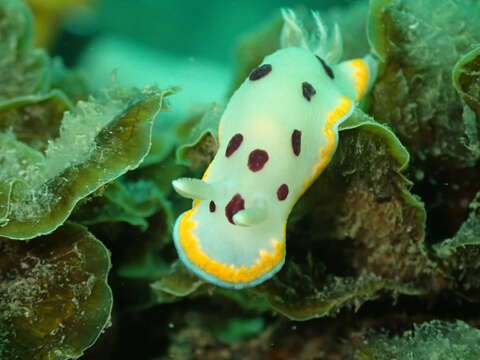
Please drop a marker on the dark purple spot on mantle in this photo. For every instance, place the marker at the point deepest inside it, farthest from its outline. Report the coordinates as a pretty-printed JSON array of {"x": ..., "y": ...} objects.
[
  {"x": 260, "y": 72},
  {"x": 296, "y": 142},
  {"x": 308, "y": 90},
  {"x": 282, "y": 192},
  {"x": 328, "y": 69},
  {"x": 235, "y": 205},
  {"x": 234, "y": 144},
  {"x": 212, "y": 206},
  {"x": 257, "y": 159}
]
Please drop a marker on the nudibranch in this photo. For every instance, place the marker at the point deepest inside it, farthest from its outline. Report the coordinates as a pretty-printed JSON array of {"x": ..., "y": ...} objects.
[{"x": 277, "y": 134}]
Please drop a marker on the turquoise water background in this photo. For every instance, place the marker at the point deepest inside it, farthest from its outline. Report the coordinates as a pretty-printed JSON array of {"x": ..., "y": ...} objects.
[
  {"x": 200, "y": 28},
  {"x": 190, "y": 44}
]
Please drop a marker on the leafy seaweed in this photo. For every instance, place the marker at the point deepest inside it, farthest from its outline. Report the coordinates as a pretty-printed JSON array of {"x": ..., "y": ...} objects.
[
  {"x": 177, "y": 282},
  {"x": 466, "y": 74},
  {"x": 132, "y": 202},
  {"x": 54, "y": 298},
  {"x": 201, "y": 140},
  {"x": 99, "y": 141},
  {"x": 458, "y": 256}
]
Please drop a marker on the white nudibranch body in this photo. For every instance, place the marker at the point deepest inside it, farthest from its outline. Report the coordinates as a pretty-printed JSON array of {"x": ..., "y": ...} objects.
[{"x": 278, "y": 133}]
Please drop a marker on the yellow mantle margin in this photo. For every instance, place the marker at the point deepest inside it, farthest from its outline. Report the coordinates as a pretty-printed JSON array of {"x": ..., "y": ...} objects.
[{"x": 228, "y": 273}]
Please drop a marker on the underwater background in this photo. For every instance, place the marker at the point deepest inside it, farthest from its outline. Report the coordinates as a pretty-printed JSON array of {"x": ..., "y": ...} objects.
[{"x": 104, "y": 102}]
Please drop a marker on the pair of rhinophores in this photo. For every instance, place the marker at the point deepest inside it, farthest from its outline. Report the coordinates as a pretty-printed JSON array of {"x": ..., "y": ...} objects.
[{"x": 278, "y": 133}]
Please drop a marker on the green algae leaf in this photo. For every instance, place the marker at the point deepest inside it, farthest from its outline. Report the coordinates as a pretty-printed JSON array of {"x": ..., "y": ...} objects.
[
  {"x": 164, "y": 138},
  {"x": 35, "y": 119},
  {"x": 359, "y": 119},
  {"x": 304, "y": 292},
  {"x": 161, "y": 174},
  {"x": 97, "y": 142},
  {"x": 53, "y": 154},
  {"x": 129, "y": 201},
  {"x": 23, "y": 69},
  {"x": 176, "y": 283},
  {"x": 466, "y": 79},
  {"x": 201, "y": 143},
  {"x": 414, "y": 93},
  {"x": 362, "y": 201},
  {"x": 458, "y": 256},
  {"x": 54, "y": 297},
  {"x": 439, "y": 340},
  {"x": 379, "y": 29}
]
